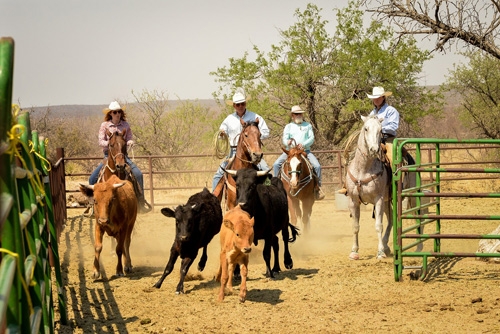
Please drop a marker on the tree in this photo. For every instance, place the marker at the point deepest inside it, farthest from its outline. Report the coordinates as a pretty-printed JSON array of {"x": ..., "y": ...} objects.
[
  {"x": 475, "y": 23},
  {"x": 330, "y": 76},
  {"x": 478, "y": 84}
]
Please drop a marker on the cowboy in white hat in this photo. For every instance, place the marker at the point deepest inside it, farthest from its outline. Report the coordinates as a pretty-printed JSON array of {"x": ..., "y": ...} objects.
[
  {"x": 301, "y": 133},
  {"x": 231, "y": 126},
  {"x": 390, "y": 120},
  {"x": 388, "y": 114}
]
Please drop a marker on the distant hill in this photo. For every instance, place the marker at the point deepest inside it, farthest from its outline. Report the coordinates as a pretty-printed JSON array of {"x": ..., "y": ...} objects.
[{"x": 79, "y": 110}]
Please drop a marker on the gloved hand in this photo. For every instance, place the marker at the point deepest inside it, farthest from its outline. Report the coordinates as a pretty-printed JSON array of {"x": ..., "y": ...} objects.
[{"x": 130, "y": 143}]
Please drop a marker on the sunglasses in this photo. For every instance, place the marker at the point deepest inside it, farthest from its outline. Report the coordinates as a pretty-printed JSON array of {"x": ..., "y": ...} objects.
[
  {"x": 114, "y": 112},
  {"x": 240, "y": 104}
]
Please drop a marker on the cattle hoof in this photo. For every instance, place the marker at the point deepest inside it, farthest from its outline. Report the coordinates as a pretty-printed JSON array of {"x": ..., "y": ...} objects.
[
  {"x": 354, "y": 256},
  {"x": 289, "y": 265},
  {"x": 387, "y": 251},
  {"x": 179, "y": 292},
  {"x": 128, "y": 270},
  {"x": 381, "y": 255},
  {"x": 96, "y": 275},
  {"x": 242, "y": 300}
]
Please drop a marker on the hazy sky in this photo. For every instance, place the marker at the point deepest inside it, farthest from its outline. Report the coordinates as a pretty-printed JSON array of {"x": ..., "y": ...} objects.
[{"x": 95, "y": 51}]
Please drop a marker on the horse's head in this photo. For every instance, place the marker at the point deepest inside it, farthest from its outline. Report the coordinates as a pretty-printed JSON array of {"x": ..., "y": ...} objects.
[
  {"x": 250, "y": 141},
  {"x": 371, "y": 135},
  {"x": 117, "y": 151},
  {"x": 295, "y": 166}
]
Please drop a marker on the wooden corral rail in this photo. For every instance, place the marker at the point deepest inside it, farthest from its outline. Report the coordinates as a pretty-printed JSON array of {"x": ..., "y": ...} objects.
[{"x": 332, "y": 173}]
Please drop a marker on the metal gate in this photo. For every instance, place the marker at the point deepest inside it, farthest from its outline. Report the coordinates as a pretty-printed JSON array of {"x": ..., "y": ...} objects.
[
  {"x": 427, "y": 199},
  {"x": 28, "y": 237}
]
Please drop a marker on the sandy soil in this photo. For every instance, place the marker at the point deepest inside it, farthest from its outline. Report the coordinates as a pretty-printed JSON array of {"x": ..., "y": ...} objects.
[{"x": 325, "y": 292}]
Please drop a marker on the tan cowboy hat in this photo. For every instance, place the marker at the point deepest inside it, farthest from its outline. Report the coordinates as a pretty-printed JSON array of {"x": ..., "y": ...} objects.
[
  {"x": 297, "y": 110},
  {"x": 378, "y": 92},
  {"x": 112, "y": 106}
]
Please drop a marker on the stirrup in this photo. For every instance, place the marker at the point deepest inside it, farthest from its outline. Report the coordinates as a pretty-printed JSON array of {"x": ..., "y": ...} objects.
[
  {"x": 144, "y": 207},
  {"x": 319, "y": 194}
]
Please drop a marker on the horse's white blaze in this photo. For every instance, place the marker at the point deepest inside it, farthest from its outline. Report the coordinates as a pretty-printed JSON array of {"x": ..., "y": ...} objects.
[{"x": 294, "y": 178}]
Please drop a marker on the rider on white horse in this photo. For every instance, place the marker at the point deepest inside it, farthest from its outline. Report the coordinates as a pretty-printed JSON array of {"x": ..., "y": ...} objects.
[{"x": 390, "y": 121}]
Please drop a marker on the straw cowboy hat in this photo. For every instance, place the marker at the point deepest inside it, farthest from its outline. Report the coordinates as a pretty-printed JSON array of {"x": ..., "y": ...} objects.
[
  {"x": 112, "y": 106},
  {"x": 378, "y": 92},
  {"x": 297, "y": 110}
]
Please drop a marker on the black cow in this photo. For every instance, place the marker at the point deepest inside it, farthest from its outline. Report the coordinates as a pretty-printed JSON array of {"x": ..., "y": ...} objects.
[
  {"x": 265, "y": 199},
  {"x": 196, "y": 223}
]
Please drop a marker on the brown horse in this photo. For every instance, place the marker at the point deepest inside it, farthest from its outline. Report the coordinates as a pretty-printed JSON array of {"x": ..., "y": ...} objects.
[
  {"x": 117, "y": 151},
  {"x": 248, "y": 155},
  {"x": 299, "y": 182}
]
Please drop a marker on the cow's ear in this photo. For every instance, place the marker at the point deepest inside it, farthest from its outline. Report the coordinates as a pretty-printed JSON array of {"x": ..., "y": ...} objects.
[
  {"x": 167, "y": 212},
  {"x": 87, "y": 190},
  {"x": 251, "y": 221},
  {"x": 227, "y": 223}
]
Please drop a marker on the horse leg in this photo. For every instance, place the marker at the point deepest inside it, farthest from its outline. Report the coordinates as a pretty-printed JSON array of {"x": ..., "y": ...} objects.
[
  {"x": 379, "y": 227},
  {"x": 387, "y": 234},
  {"x": 298, "y": 210},
  {"x": 354, "y": 208},
  {"x": 307, "y": 205}
]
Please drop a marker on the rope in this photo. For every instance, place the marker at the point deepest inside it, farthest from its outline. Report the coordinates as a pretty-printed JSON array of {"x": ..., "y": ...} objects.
[
  {"x": 221, "y": 145},
  {"x": 348, "y": 146}
]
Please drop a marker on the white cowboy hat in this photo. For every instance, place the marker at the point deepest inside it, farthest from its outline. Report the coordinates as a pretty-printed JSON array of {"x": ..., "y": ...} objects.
[
  {"x": 238, "y": 97},
  {"x": 112, "y": 106},
  {"x": 378, "y": 92},
  {"x": 297, "y": 110}
]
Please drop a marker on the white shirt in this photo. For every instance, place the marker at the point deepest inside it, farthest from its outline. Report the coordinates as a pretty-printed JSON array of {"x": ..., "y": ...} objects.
[{"x": 232, "y": 126}]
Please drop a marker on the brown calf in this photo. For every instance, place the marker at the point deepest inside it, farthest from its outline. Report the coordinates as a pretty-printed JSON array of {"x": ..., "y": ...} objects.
[
  {"x": 236, "y": 237},
  {"x": 115, "y": 209}
]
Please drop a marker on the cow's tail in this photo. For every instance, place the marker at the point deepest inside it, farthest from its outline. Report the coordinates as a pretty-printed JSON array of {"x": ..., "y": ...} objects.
[{"x": 295, "y": 232}]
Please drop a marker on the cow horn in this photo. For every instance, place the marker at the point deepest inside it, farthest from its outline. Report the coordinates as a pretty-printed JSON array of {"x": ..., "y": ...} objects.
[
  {"x": 88, "y": 186},
  {"x": 263, "y": 172},
  {"x": 231, "y": 172},
  {"x": 118, "y": 185}
]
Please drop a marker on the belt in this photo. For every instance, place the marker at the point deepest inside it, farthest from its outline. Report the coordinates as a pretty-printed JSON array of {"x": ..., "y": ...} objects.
[{"x": 234, "y": 146}]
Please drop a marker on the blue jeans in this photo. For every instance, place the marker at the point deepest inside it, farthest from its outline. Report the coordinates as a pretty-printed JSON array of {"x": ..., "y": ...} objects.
[
  {"x": 133, "y": 167},
  {"x": 219, "y": 173},
  {"x": 312, "y": 159}
]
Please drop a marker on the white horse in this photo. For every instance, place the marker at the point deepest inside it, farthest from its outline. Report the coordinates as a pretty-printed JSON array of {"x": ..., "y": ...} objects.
[{"x": 368, "y": 181}]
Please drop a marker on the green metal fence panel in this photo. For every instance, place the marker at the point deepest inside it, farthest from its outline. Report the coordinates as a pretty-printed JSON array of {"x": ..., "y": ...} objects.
[
  {"x": 428, "y": 196},
  {"x": 27, "y": 224}
]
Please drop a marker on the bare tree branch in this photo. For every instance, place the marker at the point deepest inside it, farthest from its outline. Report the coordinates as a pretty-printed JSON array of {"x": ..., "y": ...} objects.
[{"x": 474, "y": 22}]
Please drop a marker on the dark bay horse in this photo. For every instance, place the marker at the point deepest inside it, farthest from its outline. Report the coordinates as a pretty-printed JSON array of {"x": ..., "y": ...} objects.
[
  {"x": 248, "y": 155},
  {"x": 298, "y": 180}
]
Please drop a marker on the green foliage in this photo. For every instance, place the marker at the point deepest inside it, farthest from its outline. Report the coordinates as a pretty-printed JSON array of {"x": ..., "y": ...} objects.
[
  {"x": 330, "y": 74},
  {"x": 160, "y": 129},
  {"x": 478, "y": 84}
]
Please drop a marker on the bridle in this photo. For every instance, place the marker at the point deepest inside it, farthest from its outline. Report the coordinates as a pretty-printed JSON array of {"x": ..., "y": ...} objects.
[
  {"x": 245, "y": 144},
  {"x": 113, "y": 157},
  {"x": 302, "y": 182}
]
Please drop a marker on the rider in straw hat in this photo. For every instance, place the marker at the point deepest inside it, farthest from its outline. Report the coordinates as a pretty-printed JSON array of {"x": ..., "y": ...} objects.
[{"x": 390, "y": 120}]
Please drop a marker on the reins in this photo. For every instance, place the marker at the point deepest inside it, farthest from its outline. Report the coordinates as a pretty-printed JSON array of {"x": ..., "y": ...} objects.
[{"x": 302, "y": 182}]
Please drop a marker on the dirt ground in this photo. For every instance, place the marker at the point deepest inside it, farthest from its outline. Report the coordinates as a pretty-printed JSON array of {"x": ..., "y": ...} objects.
[{"x": 325, "y": 292}]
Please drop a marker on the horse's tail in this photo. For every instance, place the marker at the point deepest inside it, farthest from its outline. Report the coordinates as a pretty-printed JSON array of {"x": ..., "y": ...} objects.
[{"x": 295, "y": 232}]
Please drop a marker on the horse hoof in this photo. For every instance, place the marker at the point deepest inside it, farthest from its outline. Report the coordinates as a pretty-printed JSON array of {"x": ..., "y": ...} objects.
[{"x": 354, "y": 256}]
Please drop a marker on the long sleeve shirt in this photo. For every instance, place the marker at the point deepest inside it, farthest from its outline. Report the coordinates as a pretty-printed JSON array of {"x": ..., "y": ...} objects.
[
  {"x": 232, "y": 126},
  {"x": 108, "y": 125},
  {"x": 390, "y": 116},
  {"x": 302, "y": 134}
]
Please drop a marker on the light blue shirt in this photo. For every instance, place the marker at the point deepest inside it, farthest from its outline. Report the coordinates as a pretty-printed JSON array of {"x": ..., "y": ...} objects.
[
  {"x": 390, "y": 116},
  {"x": 302, "y": 133},
  {"x": 232, "y": 126}
]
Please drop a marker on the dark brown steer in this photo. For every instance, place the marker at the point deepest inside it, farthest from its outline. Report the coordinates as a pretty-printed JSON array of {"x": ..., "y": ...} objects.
[
  {"x": 236, "y": 237},
  {"x": 115, "y": 209}
]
